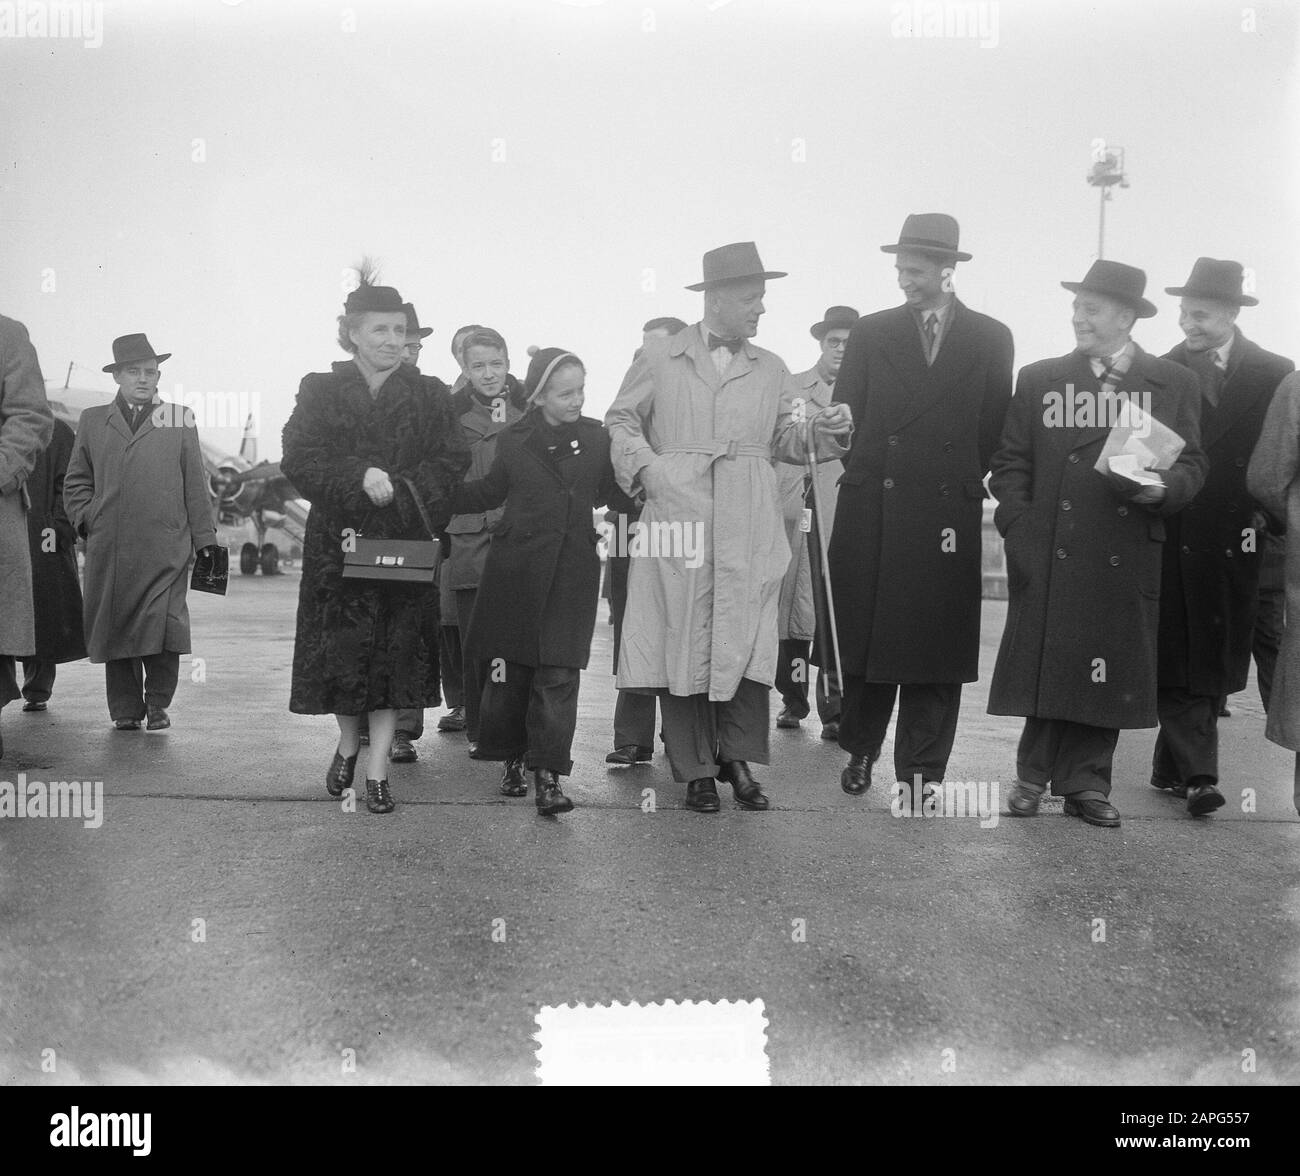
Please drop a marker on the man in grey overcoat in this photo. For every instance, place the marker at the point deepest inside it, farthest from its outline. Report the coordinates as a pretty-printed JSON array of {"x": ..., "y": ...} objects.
[
  {"x": 136, "y": 489},
  {"x": 26, "y": 424}
]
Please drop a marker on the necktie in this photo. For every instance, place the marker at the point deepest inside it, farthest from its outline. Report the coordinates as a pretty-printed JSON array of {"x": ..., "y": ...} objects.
[
  {"x": 931, "y": 330},
  {"x": 732, "y": 345}
]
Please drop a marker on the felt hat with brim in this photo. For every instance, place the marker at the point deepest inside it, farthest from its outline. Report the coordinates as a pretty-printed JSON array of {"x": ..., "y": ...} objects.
[
  {"x": 1122, "y": 283},
  {"x": 1220, "y": 281},
  {"x": 413, "y": 328},
  {"x": 129, "y": 349},
  {"x": 380, "y": 299},
  {"x": 935, "y": 233},
  {"x": 738, "y": 262},
  {"x": 836, "y": 318}
]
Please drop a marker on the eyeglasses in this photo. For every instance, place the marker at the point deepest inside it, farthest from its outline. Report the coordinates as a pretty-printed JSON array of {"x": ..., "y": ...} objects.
[
  {"x": 416, "y": 347},
  {"x": 837, "y": 344}
]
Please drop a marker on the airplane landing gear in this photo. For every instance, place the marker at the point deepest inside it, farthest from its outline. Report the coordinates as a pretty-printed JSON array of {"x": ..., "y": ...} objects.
[
  {"x": 270, "y": 560},
  {"x": 248, "y": 559}
]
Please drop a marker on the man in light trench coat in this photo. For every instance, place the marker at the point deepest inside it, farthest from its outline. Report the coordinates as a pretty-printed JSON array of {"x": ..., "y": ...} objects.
[
  {"x": 26, "y": 424},
  {"x": 695, "y": 429},
  {"x": 137, "y": 491}
]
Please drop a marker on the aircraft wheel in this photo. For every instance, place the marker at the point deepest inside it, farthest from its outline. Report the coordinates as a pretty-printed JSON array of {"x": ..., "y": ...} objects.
[
  {"x": 248, "y": 559},
  {"x": 270, "y": 560}
]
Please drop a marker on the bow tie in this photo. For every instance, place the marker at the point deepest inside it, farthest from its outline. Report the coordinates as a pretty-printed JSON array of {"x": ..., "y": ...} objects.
[{"x": 732, "y": 345}]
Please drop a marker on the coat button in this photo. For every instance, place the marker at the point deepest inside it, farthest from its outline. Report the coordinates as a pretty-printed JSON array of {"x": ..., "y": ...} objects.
[
  {"x": 889, "y": 483},
  {"x": 947, "y": 447},
  {"x": 893, "y": 440},
  {"x": 1074, "y": 459},
  {"x": 943, "y": 491},
  {"x": 1123, "y": 510},
  {"x": 1060, "y": 553},
  {"x": 1065, "y": 504},
  {"x": 1114, "y": 561},
  {"x": 1186, "y": 550}
]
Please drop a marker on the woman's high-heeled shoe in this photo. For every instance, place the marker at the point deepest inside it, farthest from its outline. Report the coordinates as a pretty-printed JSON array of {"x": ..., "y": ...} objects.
[
  {"x": 378, "y": 798},
  {"x": 339, "y": 777}
]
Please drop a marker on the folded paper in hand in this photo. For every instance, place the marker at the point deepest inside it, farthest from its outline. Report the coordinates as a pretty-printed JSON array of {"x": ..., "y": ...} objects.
[{"x": 1137, "y": 444}]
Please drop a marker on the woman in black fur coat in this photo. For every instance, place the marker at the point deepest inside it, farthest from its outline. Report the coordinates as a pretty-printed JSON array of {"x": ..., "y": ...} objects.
[{"x": 366, "y": 646}]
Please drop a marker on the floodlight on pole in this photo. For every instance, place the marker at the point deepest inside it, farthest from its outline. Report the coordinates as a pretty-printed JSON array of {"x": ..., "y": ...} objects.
[{"x": 1107, "y": 170}]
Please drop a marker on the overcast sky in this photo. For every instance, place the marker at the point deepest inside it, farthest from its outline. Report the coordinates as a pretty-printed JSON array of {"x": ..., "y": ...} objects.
[{"x": 555, "y": 169}]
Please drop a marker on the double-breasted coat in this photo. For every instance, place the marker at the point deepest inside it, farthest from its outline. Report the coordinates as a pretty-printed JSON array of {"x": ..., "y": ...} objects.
[
  {"x": 536, "y": 602},
  {"x": 470, "y": 532},
  {"x": 1273, "y": 477},
  {"x": 702, "y": 447},
  {"x": 365, "y": 645},
  {"x": 1083, "y": 562},
  {"x": 905, "y": 550},
  {"x": 1209, "y": 588},
  {"x": 141, "y": 500},
  {"x": 26, "y": 423},
  {"x": 56, "y": 582},
  {"x": 796, "y": 614}
]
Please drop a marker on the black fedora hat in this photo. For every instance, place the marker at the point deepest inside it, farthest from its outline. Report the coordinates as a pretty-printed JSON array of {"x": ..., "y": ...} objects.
[
  {"x": 1220, "y": 281},
  {"x": 132, "y": 349},
  {"x": 413, "y": 328},
  {"x": 929, "y": 232},
  {"x": 1124, "y": 283},
  {"x": 836, "y": 318},
  {"x": 733, "y": 263}
]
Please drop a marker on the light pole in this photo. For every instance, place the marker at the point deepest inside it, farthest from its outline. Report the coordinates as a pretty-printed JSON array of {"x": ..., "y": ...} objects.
[{"x": 1107, "y": 171}]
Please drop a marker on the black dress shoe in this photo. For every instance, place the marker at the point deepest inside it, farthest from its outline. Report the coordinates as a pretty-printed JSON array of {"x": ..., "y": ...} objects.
[
  {"x": 856, "y": 777},
  {"x": 33, "y": 707},
  {"x": 1203, "y": 799},
  {"x": 339, "y": 777},
  {"x": 512, "y": 781},
  {"x": 474, "y": 752},
  {"x": 127, "y": 724},
  {"x": 702, "y": 796},
  {"x": 1095, "y": 812},
  {"x": 1023, "y": 799},
  {"x": 748, "y": 792},
  {"x": 402, "y": 752},
  {"x": 831, "y": 732},
  {"x": 378, "y": 798},
  {"x": 550, "y": 800},
  {"x": 623, "y": 757},
  {"x": 158, "y": 720},
  {"x": 787, "y": 720}
]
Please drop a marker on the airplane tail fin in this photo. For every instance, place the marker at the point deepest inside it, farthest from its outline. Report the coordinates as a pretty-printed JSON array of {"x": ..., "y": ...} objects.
[{"x": 248, "y": 446}]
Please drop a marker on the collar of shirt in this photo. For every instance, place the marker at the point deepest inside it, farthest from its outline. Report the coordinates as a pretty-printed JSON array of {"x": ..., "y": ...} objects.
[
  {"x": 940, "y": 312},
  {"x": 722, "y": 356},
  {"x": 1101, "y": 363},
  {"x": 1224, "y": 350}
]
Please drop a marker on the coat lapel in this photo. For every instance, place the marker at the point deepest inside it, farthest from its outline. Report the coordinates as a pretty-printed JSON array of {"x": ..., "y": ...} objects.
[
  {"x": 691, "y": 344},
  {"x": 928, "y": 383},
  {"x": 1242, "y": 390},
  {"x": 117, "y": 422}
]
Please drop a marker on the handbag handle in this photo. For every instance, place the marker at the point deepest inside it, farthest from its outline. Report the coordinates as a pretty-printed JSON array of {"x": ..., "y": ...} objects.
[{"x": 419, "y": 506}]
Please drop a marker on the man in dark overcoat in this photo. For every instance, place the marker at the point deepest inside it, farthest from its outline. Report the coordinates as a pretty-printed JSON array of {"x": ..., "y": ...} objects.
[
  {"x": 56, "y": 583},
  {"x": 137, "y": 490},
  {"x": 25, "y": 425},
  {"x": 1209, "y": 589},
  {"x": 1083, "y": 547},
  {"x": 928, "y": 384}
]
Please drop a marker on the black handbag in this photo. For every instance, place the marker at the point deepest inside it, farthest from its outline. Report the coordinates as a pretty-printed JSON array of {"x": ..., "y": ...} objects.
[{"x": 397, "y": 561}]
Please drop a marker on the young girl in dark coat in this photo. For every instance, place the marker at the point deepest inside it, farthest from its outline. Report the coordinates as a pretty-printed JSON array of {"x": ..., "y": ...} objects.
[{"x": 536, "y": 606}]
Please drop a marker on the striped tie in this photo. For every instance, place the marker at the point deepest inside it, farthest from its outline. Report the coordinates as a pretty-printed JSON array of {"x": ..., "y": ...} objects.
[{"x": 931, "y": 330}]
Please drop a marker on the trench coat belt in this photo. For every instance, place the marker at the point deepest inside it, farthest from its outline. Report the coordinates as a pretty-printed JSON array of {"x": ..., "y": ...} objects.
[{"x": 715, "y": 449}]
